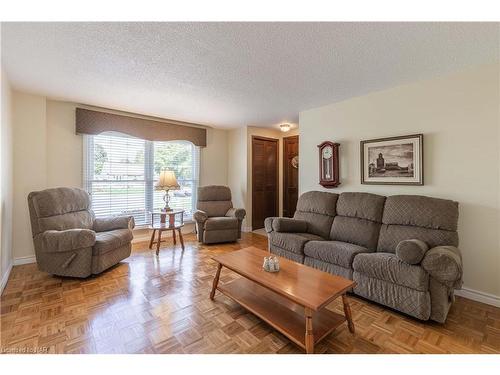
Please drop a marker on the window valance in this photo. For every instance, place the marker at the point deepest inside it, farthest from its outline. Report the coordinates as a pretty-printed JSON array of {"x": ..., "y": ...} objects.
[{"x": 94, "y": 122}]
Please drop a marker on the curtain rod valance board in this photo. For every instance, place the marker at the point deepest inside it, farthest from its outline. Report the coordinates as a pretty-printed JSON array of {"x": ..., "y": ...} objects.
[{"x": 94, "y": 122}]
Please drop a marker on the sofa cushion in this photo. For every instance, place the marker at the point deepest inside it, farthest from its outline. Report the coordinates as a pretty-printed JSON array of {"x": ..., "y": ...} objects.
[
  {"x": 58, "y": 201},
  {"x": 107, "y": 241},
  {"x": 317, "y": 208},
  {"x": 214, "y": 193},
  {"x": 356, "y": 231},
  {"x": 293, "y": 242},
  {"x": 358, "y": 219},
  {"x": 71, "y": 220},
  {"x": 319, "y": 202},
  {"x": 361, "y": 205},
  {"x": 421, "y": 211},
  {"x": 388, "y": 267},
  {"x": 223, "y": 222},
  {"x": 391, "y": 235},
  {"x": 335, "y": 252},
  {"x": 411, "y": 251},
  {"x": 214, "y": 208},
  {"x": 215, "y": 200}
]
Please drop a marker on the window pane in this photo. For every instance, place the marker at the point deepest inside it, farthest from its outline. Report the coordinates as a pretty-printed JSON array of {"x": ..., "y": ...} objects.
[
  {"x": 118, "y": 183},
  {"x": 180, "y": 157}
]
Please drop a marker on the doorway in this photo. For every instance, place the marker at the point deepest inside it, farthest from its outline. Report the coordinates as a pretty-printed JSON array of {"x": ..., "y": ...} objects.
[
  {"x": 264, "y": 180},
  {"x": 290, "y": 174}
]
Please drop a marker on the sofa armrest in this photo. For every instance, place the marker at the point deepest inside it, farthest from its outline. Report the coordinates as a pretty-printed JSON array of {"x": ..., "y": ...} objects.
[
  {"x": 200, "y": 216},
  {"x": 285, "y": 224},
  {"x": 238, "y": 213},
  {"x": 104, "y": 224},
  {"x": 444, "y": 263},
  {"x": 65, "y": 240},
  {"x": 268, "y": 224}
]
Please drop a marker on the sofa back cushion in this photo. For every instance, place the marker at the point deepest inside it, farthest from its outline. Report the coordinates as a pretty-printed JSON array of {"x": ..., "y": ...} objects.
[
  {"x": 318, "y": 208},
  {"x": 215, "y": 200},
  {"x": 358, "y": 220},
  {"x": 407, "y": 217},
  {"x": 60, "y": 209}
]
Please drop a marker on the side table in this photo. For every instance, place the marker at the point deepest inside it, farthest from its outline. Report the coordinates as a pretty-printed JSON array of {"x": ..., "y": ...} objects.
[{"x": 164, "y": 221}]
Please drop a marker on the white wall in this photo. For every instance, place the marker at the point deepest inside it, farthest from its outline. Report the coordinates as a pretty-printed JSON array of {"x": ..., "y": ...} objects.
[
  {"x": 237, "y": 169},
  {"x": 459, "y": 117},
  {"x": 30, "y": 165},
  {"x": 64, "y": 147},
  {"x": 48, "y": 153},
  {"x": 6, "y": 181},
  {"x": 213, "y": 159}
]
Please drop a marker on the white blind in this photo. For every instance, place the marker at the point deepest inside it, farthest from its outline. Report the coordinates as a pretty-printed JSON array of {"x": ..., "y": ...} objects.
[{"x": 120, "y": 173}]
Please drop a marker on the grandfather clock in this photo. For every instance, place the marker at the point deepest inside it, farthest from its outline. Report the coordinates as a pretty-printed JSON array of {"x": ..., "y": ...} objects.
[{"x": 329, "y": 164}]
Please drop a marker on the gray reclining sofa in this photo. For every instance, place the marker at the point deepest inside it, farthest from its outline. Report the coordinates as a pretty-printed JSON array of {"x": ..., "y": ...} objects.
[{"x": 401, "y": 250}]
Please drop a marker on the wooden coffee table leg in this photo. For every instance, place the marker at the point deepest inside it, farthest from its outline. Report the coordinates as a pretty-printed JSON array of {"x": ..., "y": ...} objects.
[
  {"x": 158, "y": 243},
  {"x": 152, "y": 239},
  {"x": 309, "y": 339},
  {"x": 181, "y": 238},
  {"x": 216, "y": 281},
  {"x": 173, "y": 235},
  {"x": 347, "y": 312}
]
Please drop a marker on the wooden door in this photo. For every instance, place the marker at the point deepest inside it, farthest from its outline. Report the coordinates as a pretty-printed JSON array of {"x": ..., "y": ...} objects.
[
  {"x": 290, "y": 174},
  {"x": 264, "y": 180}
]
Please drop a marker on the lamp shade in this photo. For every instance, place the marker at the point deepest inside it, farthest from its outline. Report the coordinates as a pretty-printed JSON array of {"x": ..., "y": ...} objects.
[{"x": 167, "y": 181}]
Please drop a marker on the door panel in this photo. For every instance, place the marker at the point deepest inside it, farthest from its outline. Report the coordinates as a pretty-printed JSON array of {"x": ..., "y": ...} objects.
[
  {"x": 290, "y": 175},
  {"x": 264, "y": 180}
]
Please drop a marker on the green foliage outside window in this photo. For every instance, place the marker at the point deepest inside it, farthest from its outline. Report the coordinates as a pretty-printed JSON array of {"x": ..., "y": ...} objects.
[
  {"x": 175, "y": 157},
  {"x": 100, "y": 157}
]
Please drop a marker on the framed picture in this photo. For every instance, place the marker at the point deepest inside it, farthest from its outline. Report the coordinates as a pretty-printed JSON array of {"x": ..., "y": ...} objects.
[{"x": 393, "y": 161}]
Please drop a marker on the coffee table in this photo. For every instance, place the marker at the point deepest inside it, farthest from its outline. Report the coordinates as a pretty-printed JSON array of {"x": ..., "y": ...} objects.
[{"x": 292, "y": 300}]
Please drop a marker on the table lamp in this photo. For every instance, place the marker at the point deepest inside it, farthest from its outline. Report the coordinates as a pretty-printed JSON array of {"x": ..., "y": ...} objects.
[{"x": 167, "y": 182}]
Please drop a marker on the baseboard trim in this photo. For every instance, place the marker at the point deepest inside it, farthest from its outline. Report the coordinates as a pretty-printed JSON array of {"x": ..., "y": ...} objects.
[
  {"x": 24, "y": 260},
  {"x": 5, "y": 278},
  {"x": 475, "y": 295},
  {"x": 246, "y": 229}
]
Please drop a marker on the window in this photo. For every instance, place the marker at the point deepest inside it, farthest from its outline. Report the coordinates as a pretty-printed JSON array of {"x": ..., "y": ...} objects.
[{"x": 121, "y": 171}]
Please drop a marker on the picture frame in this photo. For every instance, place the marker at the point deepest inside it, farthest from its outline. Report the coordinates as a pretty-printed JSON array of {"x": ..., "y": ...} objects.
[{"x": 393, "y": 160}]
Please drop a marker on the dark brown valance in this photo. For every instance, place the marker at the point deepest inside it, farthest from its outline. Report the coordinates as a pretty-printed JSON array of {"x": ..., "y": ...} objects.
[{"x": 94, "y": 122}]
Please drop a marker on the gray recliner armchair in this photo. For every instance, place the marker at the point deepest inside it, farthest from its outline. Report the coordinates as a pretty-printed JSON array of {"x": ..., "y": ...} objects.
[
  {"x": 216, "y": 219},
  {"x": 69, "y": 240}
]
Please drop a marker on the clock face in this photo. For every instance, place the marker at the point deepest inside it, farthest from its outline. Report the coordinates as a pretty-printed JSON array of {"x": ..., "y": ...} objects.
[{"x": 327, "y": 152}]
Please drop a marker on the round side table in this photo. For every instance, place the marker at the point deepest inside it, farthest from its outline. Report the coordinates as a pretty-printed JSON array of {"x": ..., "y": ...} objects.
[{"x": 163, "y": 221}]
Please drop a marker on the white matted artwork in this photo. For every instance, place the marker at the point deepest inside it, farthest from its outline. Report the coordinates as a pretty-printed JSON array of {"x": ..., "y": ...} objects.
[{"x": 394, "y": 160}]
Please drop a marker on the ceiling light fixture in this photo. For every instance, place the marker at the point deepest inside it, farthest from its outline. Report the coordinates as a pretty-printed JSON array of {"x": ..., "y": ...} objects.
[{"x": 285, "y": 127}]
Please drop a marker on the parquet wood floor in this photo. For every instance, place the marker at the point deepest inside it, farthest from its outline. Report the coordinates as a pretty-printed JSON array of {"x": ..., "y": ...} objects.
[{"x": 161, "y": 305}]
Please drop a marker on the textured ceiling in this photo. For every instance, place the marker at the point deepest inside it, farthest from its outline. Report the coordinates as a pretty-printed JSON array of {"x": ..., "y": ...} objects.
[{"x": 234, "y": 74}]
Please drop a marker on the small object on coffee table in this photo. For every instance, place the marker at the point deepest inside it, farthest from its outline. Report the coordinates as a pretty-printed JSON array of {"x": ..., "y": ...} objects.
[
  {"x": 271, "y": 264},
  {"x": 284, "y": 300}
]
